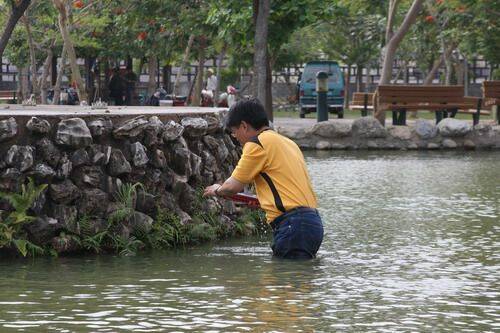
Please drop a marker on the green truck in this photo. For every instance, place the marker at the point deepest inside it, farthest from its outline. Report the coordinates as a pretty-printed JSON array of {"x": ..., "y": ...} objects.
[{"x": 307, "y": 87}]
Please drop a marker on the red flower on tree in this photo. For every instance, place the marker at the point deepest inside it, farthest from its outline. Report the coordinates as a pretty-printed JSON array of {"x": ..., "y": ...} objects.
[
  {"x": 142, "y": 35},
  {"x": 78, "y": 4},
  {"x": 429, "y": 19}
]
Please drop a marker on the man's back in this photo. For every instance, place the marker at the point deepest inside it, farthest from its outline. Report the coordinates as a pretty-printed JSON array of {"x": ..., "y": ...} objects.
[{"x": 279, "y": 172}]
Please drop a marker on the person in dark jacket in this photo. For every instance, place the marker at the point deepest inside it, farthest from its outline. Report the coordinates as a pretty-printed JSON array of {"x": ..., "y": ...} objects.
[
  {"x": 130, "y": 80},
  {"x": 117, "y": 86}
]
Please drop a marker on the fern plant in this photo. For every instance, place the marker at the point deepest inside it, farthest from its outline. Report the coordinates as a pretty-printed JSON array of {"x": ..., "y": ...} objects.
[
  {"x": 167, "y": 231},
  {"x": 94, "y": 242},
  {"x": 126, "y": 246},
  {"x": 11, "y": 232},
  {"x": 125, "y": 196}
]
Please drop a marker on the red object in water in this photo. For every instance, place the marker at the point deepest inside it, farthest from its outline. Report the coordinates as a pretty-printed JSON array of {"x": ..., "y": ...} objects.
[{"x": 246, "y": 199}]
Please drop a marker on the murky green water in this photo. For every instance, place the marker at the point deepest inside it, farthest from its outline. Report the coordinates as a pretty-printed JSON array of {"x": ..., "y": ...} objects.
[{"x": 412, "y": 244}]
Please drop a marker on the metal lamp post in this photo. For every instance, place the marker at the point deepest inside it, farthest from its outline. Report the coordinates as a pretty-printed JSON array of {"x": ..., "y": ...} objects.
[{"x": 321, "y": 100}]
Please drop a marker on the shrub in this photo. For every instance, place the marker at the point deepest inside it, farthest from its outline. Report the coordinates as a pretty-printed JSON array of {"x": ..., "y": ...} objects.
[{"x": 11, "y": 227}]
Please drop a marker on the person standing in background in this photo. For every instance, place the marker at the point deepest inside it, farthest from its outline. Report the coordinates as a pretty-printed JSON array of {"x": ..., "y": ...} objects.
[
  {"x": 117, "y": 87},
  {"x": 130, "y": 81}
]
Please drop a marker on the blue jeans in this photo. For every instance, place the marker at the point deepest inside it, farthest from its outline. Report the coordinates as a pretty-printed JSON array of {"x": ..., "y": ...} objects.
[{"x": 297, "y": 234}]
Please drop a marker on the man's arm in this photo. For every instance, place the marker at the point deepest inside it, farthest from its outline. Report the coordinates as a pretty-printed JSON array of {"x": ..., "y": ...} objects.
[{"x": 231, "y": 186}]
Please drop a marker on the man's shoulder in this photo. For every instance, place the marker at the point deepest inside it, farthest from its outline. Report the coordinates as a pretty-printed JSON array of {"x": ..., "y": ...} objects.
[{"x": 271, "y": 136}]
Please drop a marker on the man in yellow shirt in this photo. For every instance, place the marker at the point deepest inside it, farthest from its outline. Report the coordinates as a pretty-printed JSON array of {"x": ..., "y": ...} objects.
[{"x": 276, "y": 166}]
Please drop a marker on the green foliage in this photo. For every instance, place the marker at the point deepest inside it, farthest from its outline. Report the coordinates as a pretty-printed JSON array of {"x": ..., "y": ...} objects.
[
  {"x": 94, "y": 242},
  {"x": 11, "y": 227},
  {"x": 125, "y": 197},
  {"x": 200, "y": 231},
  {"x": 167, "y": 231},
  {"x": 126, "y": 246},
  {"x": 66, "y": 239},
  {"x": 252, "y": 221},
  {"x": 230, "y": 76},
  {"x": 496, "y": 74}
]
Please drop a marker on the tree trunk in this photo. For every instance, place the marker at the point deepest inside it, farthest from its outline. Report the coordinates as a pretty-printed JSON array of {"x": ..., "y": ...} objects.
[
  {"x": 183, "y": 64},
  {"x": 23, "y": 87},
  {"x": 152, "y": 68},
  {"x": 260, "y": 51},
  {"x": 33, "y": 67},
  {"x": 392, "y": 46},
  {"x": 220, "y": 59},
  {"x": 466, "y": 77},
  {"x": 75, "y": 71},
  {"x": 347, "y": 88},
  {"x": 268, "y": 104},
  {"x": 449, "y": 68},
  {"x": 406, "y": 77},
  {"x": 359, "y": 77},
  {"x": 198, "y": 84},
  {"x": 60, "y": 73},
  {"x": 397, "y": 76},
  {"x": 44, "y": 83},
  {"x": 492, "y": 69},
  {"x": 367, "y": 85},
  {"x": 389, "y": 32},
  {"x": 437, "y": 64},
  {"x": 15, "y": 14},
  {"x": 394, "y": 42}
]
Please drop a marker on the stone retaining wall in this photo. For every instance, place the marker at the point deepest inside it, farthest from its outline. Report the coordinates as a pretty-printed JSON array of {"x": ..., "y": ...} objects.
[
  {"x": 84, "y": 160},
  {"x": 368, "y": 133}
]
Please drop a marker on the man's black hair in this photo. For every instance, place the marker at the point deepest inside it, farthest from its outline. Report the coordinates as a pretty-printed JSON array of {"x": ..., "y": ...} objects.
[{"x": 249, "y": 110}]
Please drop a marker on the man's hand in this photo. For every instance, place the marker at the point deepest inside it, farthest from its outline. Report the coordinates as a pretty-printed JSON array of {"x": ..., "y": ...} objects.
[
  {"x": 210, "y": 190},
  {"x": 231, "y": 186}
]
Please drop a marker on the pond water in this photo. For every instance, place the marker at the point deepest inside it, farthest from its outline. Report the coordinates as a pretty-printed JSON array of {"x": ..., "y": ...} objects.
[{"x": 412, "y": 244}]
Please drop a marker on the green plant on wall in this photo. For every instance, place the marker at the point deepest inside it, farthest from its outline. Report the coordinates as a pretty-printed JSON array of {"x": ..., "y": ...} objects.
[
  {"x": 90, "y": 240},
  {"x": 125, "y": 196},
  {"x": 126, "y": 246},
  {"x": 167, "y": 231},
  {"x": 252, "y": 222},
  {"x": 11, "y": 227}
]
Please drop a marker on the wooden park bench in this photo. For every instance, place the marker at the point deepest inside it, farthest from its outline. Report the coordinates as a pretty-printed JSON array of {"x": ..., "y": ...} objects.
[
  {"x": 363, "y": 102},
  {"x": 491, "y": 95},
  {"x": 445, "y": 101},
  {"x": 9, "y": 96}
]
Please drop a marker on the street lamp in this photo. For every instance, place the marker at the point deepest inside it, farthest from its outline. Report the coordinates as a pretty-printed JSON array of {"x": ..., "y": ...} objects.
[{"x": 321, "y": 100}]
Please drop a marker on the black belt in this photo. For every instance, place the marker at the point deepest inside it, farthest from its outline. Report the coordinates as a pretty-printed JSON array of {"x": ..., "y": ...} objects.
[{"x": 276, "y": 222}]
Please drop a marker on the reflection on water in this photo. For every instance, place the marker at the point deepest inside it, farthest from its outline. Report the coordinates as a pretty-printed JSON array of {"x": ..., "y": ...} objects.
[{"x": 411, "y": 244}]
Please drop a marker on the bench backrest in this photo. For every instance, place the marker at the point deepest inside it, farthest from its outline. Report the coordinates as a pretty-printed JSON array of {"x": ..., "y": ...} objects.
[
  {"x": 358, "y": 98},
  {"x": 491, "y": 89},
  {"x": 7, "y": 93},
  {"x": 408, "y": 94}
]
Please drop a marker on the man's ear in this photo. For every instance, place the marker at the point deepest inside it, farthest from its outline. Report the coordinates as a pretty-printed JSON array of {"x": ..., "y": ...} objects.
[{"x": 244, "y": 124}]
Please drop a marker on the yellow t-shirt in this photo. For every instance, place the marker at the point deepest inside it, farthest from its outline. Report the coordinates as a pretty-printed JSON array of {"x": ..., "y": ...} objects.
[{"x": 277, "y": 167}]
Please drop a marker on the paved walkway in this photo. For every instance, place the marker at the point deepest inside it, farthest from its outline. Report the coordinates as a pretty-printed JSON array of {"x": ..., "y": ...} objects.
[{"x": 69, "y": 110}]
